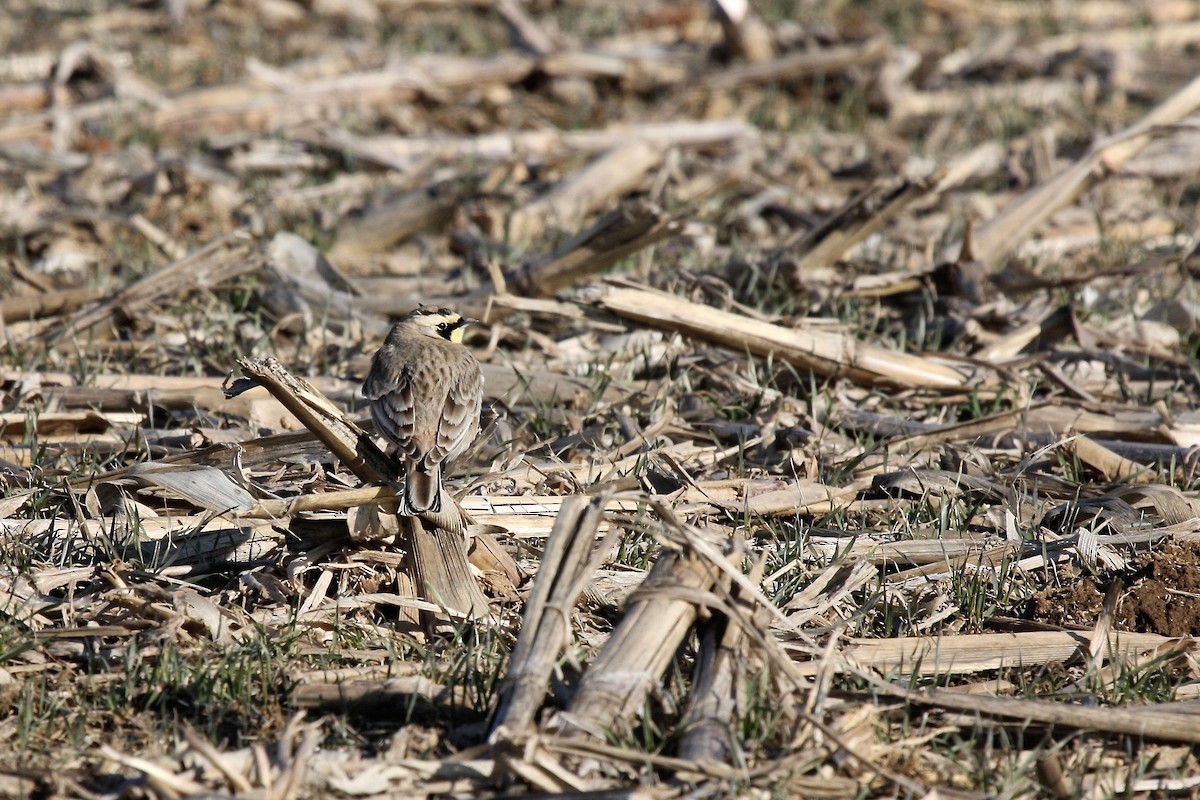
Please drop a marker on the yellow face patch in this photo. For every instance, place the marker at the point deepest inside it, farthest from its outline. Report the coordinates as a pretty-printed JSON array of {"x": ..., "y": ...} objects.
[{"x": 448, "y": 326}]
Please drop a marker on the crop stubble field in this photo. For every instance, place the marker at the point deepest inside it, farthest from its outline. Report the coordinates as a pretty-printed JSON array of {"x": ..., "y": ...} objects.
[{"x": 838, "y": 441}]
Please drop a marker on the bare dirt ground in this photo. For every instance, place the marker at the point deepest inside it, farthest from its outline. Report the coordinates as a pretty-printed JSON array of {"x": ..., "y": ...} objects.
[
  {"x": 841, "y": 409},
  {"x": 1162, "y": 595}
]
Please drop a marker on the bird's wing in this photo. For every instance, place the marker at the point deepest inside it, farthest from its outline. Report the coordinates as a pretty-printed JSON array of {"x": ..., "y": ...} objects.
[
  {"x": 460, "y": 417},
  {"x": 393, "y": 408}
]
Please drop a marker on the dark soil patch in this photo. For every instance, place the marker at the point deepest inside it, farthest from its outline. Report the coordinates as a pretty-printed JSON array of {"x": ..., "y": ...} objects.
[{"x": 1162, "y": 594}]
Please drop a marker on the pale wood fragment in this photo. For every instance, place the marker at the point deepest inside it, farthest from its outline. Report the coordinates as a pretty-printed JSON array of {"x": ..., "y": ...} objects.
[
  {"x": 1054, "y": 324},
  {"x": 1144, "y": 723},
  {"x": 1090, "y": 14},
  {"x": 825, "y": 353},
  {"x": 441, "y": 571},
  {"x": 568, "y": 562},
  {"x": 943, "y": 567},
  {"x": 158, "y": 237},
  {"x": 244, "y": 107},
  {"x": 939, "y": 552},
  {"x": 1037, "y": 93},
  {"x": 487, "y": 555},
  {"x": 1158, "y": 38},
  {"x": 18, "y": 424},
  {"x": 395, "y": 220},
  {"x": 655, "y": 621},
  {"x": 591, "y": 65},
  {"x": 995, "y": 240},
  {"x": 527, "y": 32},
  {"x": 965, "y": 653},
  {"x": 805, "y": 497},
  {"x": 164, "y": 782},
  {"x": 377, "y": 696},
  {"x": 406, "y": 152},
  {"x": 621, "y": 232},
  {"x": 627, "y": 229},
  {"x": 720, "y": 662},
  {"x": 47, "y": 304},
  {"x": 1110, "y": 465},
  {"x": 794, "y": 66},
  {"x": 202, "y": 746},
  {"x": 609, "y": 176},
  {"x": 862, "y": 216}
]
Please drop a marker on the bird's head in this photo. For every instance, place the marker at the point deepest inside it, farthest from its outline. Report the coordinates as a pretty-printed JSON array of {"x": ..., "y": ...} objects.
[{"x": 440, "y": 323}]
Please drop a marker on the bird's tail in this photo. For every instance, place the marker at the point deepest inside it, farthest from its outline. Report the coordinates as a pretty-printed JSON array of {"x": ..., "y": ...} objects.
[{"x": 422, "y": 489}]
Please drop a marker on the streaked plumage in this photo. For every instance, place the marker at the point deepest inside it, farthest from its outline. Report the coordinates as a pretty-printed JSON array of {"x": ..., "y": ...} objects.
[{"x": 426, "y": 390}]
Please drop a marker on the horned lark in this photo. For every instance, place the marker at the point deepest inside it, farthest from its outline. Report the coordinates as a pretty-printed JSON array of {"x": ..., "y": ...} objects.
[{"x": 426, "y": 389}]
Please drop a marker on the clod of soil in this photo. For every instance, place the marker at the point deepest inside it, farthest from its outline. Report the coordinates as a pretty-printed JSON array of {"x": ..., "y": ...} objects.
[{"x": 1162, "y": 594}]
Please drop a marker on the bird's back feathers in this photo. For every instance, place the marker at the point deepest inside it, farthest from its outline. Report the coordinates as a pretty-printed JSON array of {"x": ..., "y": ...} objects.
[{"x": 426, "y": 396}]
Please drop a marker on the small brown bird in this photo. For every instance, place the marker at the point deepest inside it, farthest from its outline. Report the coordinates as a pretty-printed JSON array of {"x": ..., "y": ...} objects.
[{"x": 426, "y": 390}]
